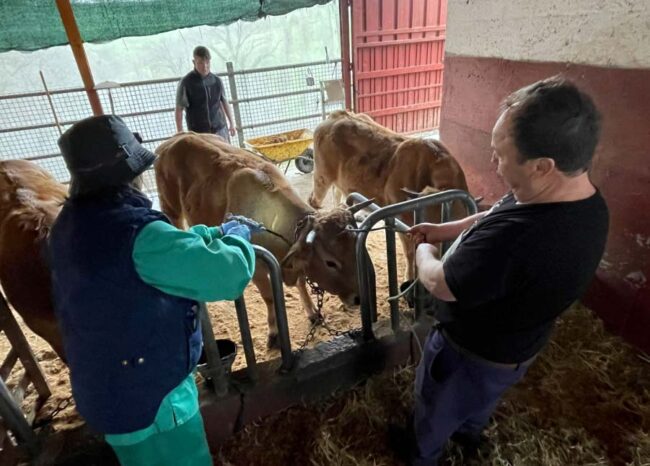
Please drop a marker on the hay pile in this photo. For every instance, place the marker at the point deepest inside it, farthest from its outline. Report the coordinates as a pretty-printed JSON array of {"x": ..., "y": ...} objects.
[{"x": 586, "y": 400}]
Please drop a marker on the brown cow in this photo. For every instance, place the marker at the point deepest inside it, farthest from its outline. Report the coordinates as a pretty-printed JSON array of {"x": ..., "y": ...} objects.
[
  {"x": 30, "y": 200},
  {"x": 352, "y": 153},
  {"x": 200, "y": 179}
]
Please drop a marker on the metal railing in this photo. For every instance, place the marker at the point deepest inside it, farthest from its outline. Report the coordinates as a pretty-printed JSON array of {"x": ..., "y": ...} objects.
[
  {"x": 264, "y": 101},
  {"x": 367, "y": 285},
  {"x": 215, "y": 370}
]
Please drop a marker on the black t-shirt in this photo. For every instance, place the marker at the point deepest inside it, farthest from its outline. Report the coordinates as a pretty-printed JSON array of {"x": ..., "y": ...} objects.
[{"x": 516, "y": 270}]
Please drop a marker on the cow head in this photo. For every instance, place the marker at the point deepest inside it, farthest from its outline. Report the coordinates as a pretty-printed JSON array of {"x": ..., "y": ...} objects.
[{"x": 324, "y": 251}]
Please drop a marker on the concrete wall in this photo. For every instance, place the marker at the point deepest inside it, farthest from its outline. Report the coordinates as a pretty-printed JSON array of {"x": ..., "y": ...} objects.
[
  {"x": 496, "y": 46},
  {"x": 612, "y": 33}
]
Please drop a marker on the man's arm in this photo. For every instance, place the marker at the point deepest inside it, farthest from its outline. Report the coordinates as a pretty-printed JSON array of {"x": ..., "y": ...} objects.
[
  {"x": 437, "y": 232},
  {"x": 179, "y": 119},
  {"x": 200, "y": 264},
  {"x": 182, "y": 102},
  {"x": 225, "y": 106},
  {"x": 431, "y": 273}
]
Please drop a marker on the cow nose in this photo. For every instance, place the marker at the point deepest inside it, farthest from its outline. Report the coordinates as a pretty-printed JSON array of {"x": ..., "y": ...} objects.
[{"x": 357, "y": 300}]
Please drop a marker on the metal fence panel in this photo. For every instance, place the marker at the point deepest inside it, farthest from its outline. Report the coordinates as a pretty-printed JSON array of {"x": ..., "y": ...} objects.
[{"x": 270, "y": 101}]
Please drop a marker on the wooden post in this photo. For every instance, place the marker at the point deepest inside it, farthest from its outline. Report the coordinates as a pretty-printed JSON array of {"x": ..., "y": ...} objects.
[
  {"x": 346, "y": 65},
  {"x": 76, "y": 43}
]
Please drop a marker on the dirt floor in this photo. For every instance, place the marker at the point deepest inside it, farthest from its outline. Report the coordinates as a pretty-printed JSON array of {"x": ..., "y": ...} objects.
[{"x": 585, "y": 401}]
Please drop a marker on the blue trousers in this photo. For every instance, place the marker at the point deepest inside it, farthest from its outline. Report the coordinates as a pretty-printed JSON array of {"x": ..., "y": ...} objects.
[{"x": 454, "y": 392}]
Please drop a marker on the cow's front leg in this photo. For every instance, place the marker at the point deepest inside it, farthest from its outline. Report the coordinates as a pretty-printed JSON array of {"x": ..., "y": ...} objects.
[
  {"x": 263, "y": 284},
  {"x": 305, "y": 299}
]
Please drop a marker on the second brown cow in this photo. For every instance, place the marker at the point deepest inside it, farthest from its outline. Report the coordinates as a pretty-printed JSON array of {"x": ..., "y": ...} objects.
[{"x": 352, "y": 153}]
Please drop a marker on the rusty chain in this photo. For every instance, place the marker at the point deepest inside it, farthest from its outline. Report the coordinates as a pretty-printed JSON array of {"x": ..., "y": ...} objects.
[{"x": 320, "y": 319}]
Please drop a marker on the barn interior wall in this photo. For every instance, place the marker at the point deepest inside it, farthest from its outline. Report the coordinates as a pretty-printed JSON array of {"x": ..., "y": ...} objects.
[{"x": 604, "y": 47}]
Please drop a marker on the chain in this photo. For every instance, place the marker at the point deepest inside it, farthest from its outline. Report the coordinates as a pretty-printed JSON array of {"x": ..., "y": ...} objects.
[
  {"x": 63, "y": 404},
  {"x": 320, "y": 319}
]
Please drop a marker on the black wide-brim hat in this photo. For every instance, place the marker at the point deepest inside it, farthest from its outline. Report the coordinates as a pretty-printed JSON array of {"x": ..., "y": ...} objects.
[{"x": 101, "y": 152}]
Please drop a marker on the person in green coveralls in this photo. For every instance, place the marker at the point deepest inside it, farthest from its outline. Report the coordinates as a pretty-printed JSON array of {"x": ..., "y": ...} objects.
[{"x": 125, "y": 286}]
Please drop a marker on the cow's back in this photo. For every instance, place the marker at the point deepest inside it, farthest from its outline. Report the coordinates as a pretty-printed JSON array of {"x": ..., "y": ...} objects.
[
  {"x": 355, "y": 153},
  {"x": 29, "y": 203}
]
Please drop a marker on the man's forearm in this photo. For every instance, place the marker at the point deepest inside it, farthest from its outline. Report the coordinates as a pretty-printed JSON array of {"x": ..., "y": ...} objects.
[
  {"x": 432, "y": 275},
  {"x": 226, "y": 111},
  {"x": 179, "y": 119}
]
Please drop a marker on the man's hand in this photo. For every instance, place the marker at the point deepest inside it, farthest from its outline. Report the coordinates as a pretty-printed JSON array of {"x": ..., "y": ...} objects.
[
  {"x": 426, "y": 233},
  {"x": 232, "y": 130}
]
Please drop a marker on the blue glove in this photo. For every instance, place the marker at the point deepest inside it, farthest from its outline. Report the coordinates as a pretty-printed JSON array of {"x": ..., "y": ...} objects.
[
  {"x": 254, "y": 227},
  {"x": 237, "y": 229}
]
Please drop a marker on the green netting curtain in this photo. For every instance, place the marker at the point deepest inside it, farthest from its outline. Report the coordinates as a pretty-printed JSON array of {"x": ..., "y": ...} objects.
[{"x": 36, "y": 24}]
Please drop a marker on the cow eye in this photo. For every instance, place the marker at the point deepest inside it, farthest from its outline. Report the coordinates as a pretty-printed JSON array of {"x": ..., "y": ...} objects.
[{"x": 331, "y": 264}]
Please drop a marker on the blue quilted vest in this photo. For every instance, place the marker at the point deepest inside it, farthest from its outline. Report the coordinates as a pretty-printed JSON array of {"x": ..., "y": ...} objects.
[{"x": 128, "y": 344}]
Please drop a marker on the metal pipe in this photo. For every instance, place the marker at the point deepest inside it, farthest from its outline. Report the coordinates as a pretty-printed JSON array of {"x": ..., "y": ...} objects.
[
  {"x": 76, "y": 44},
  {"x": 235, "y": 103},
  {"x": 285, "y": 120},
  {"x": 246, "y": 339},
  {"x": 275, "y": 275},
  {"x": 285, "y": 67},
  {"x": 445, "y": 216},
  {"x": 273, "y": 96},
  {"x": 391, "y": 263},
  {"x": 15, "y": 420},
  {"x": 418, "y": 290},
  {"x": 393, "y": 211},
  {"x": 215, "y": 370}
]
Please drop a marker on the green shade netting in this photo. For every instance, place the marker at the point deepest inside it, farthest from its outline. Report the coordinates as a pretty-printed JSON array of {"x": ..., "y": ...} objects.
[{"x": 35, "y": 24}]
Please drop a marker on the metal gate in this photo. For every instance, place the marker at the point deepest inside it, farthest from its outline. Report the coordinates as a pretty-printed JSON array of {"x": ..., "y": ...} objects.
[{"x": 398, "y": 50}]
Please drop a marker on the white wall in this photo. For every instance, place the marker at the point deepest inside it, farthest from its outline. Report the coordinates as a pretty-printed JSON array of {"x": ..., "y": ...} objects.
[{"x": 612, "y": 33}]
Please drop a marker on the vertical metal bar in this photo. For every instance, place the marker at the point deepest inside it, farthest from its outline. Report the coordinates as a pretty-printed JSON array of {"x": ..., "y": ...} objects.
[
  {"x": 49, "y": 100},
  {"x": 275, "y": 275},
  {"x": 392, "y": 272},
  {"x": 445, "y": 216},
  {"x": 419, "y": 289},
  {"x": 14, "y": 419},
  {"x": 215, "y": 371},
  {"x": 246, "y": 339},
  {"x": 235, "y": 106},
  {"x": 19, "y": 343},
  {"x": 76, "y": 43},
  {"x": 362, "y": 277},
  {"x": 346, "y": 65},
  {"x": 372, "y": 287}
]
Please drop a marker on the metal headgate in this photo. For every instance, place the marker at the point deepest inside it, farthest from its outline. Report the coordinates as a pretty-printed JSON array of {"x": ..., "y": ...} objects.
[
  {"x": 398, "y": 50},
  {"x": 261, "y": 389}
]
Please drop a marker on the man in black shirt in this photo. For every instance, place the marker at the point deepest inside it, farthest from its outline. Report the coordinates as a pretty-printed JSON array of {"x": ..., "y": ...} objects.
[
  {"x": 201, "y": 94},
  {"x": 512, "y": 270}
]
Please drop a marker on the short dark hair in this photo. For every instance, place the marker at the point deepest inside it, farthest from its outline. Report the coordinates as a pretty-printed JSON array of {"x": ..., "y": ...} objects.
[
  {"x": 201, "y": 52},
  {"x": 553, "y": 118}
]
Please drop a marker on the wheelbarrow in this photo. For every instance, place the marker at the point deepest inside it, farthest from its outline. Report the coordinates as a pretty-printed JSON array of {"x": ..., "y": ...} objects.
[{"x": 287, "y": 146}]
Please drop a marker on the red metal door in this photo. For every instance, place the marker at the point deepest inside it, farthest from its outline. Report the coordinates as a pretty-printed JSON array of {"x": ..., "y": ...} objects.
[{"x": 398, "y": 50}]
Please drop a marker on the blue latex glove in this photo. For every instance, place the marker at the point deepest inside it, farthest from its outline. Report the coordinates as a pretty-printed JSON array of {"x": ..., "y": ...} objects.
[
  {"x": 237, "y": 229},
  {"x": 255, "y": 227}
]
